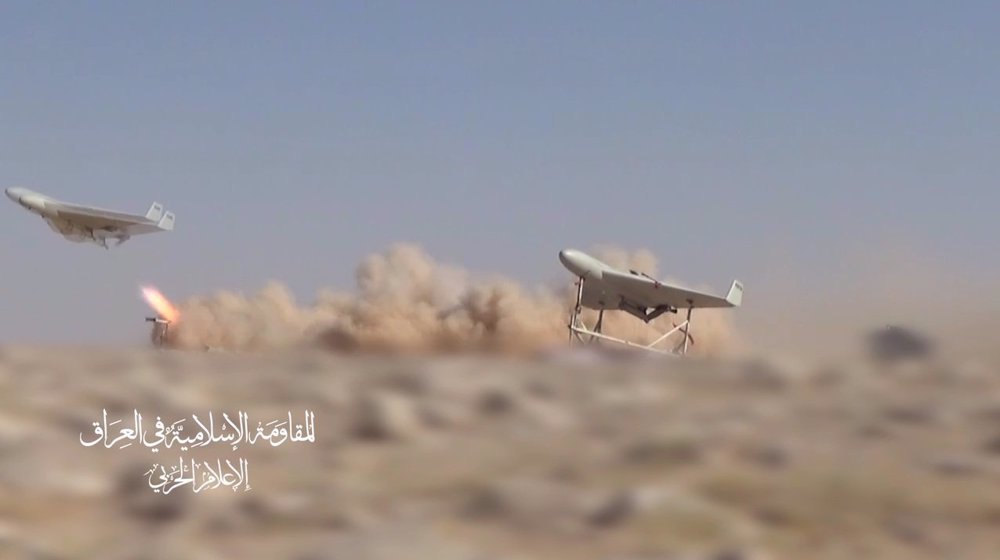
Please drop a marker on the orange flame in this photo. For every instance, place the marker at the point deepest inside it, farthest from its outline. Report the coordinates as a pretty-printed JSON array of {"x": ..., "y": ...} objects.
[{"x": 160, "y": 304}]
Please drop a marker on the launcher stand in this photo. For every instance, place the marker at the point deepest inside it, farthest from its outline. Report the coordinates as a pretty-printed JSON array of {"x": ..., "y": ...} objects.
[
  {"x": 580, "y": 333},
  {"x": 159, "y": 332}
]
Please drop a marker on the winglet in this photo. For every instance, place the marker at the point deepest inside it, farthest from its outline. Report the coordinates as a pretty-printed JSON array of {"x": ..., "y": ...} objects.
[
  {"x": 155, "y": 212},
  {"x": 735, "y": 295},
  {"x": 167, "y": 222}
]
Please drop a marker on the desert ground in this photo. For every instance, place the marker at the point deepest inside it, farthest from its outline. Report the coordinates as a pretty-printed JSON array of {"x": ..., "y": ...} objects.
[{"x": 574, "y": 455}]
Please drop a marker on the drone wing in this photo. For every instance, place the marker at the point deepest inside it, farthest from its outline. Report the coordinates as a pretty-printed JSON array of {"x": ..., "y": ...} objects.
[
  {"x": 100, "y": 219},
  {"x": 649, "y": 292}
]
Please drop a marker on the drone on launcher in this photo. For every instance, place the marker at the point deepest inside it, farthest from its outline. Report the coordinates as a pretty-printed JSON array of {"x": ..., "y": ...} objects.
[{"x": 604, "y": 288}]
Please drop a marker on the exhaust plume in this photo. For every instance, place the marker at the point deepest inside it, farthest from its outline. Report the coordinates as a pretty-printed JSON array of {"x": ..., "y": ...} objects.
[
  {"x": 160, "y": 304},
  {"x": 406, "y": 302}
]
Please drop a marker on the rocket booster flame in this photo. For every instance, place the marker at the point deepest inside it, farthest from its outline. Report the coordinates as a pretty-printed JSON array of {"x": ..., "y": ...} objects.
[{"x": 160, "y": 304}]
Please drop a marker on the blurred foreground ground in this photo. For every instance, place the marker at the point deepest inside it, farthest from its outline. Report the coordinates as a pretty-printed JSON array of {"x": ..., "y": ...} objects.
[{"x": 481, "y": 458}]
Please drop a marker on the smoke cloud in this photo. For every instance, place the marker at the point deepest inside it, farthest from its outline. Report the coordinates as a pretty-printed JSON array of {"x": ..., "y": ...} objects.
[{"x": 406, "y": 302}]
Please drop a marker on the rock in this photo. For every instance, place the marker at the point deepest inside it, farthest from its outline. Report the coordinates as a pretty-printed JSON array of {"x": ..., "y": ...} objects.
[
  {"x": 647, "y": 557},
  {"x": 738, "y": 554},
  {"x": 497, "y": 400},
  {"x": 13, "y": 433},
  {"x": 671, "y": 503},
  {"x": 270, "y": 509},
  {"x": 76, "y": 484},
  {"x": 531, "y": 503},
  {"x": 138, "y": 500},
  {"x": 828, "y": 377},
  {"x": 955, "y": 466},
  {"x": 161, "y": 549},
  {"x": 335, "y": 394},
  {"x": 873, "y": 431},
  {"x": 547, "y": 415},
  {"x": 772, "y": 516},
  {"x": 992, "y": 445},
  {"x": 769, "y": 456},
  {"x": 32, "y": 551},
  {"x": 621, "y": 506},
  {"x": 665, "y": 449},
  {"x": 395, "y": 542},
  {"x": 631, "y": 395},
  {"x": 9, "y": 534},
  {"x": 541, "y": 389},
  {"x": 321, "y": 510},
  {"x": 387, "y": 416},
  {"x": 767, "y": 375},
  {"x": 895, "y": 344},
  {"x": 441, "y": 413},
  {"x": 989, "y": 414},
  {"x": 907, "y": 531},
  {"x": 912, "y": 413},
  {"x": 407, "y": 382}
]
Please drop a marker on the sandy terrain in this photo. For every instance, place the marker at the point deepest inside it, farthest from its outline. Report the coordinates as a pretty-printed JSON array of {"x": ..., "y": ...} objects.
[{"x": 569, "y": 456}]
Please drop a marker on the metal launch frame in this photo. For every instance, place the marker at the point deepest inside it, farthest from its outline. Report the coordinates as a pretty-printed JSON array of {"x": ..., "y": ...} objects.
[
  {"x": 159, "y": 333},
  {"x": 579, "y": 331}
]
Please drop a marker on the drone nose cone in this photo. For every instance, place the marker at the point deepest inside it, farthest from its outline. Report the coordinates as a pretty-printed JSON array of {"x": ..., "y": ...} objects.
[
  {"x": 30, "y": 200},
  {"x": 564, "y": 256},
  {"x": 573, "y": 260}
]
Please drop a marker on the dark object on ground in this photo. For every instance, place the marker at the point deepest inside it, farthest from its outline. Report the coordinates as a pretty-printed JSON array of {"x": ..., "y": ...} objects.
[{"x": 894, "y": 343}]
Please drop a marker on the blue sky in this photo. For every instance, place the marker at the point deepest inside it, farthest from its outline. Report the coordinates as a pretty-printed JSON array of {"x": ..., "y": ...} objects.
[{"x": 292, "y": 139}]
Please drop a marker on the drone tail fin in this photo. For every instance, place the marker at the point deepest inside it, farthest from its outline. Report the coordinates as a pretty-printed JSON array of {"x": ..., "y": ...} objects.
[
  {"x": 735, "y": 295},
  {"x": 155, "y": 212},
  {"x": 166, "y": 223}
]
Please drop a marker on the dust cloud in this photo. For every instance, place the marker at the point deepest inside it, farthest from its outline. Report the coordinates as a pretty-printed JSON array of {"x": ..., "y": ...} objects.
[{"x": 407, "y": 302}]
